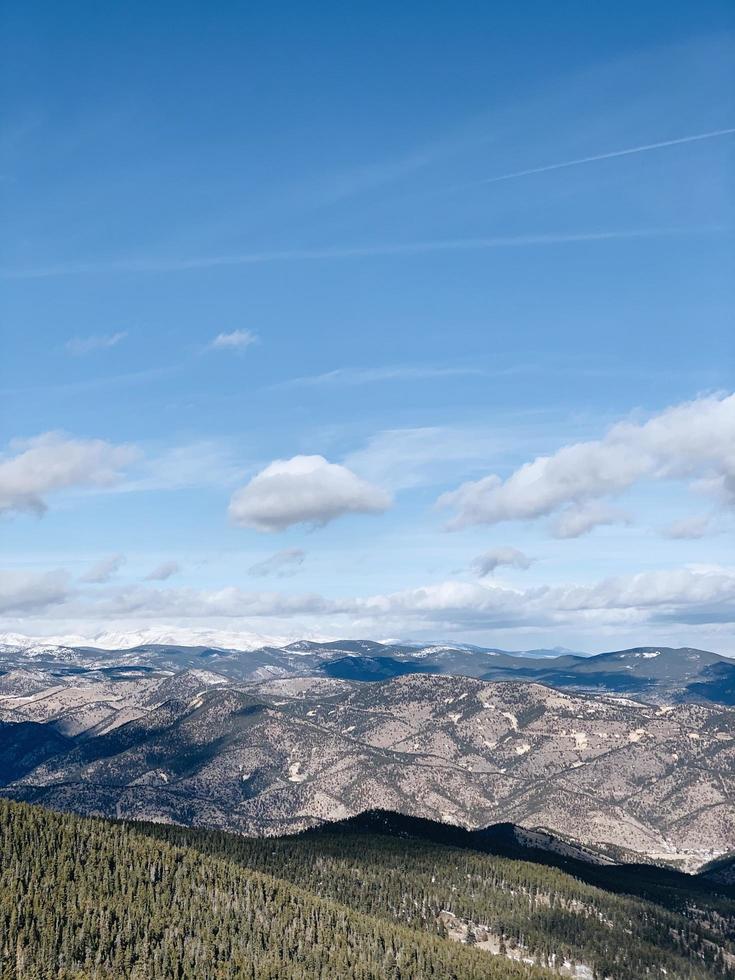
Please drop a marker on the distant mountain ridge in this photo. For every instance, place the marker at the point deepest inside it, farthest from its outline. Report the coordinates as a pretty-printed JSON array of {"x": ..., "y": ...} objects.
[
  {"x": 660, "y": 675},
  {"x": 221, "y": 639}
]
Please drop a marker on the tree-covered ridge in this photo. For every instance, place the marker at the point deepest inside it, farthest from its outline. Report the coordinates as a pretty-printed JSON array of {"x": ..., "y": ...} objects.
[
  {"x": 88, "y": 899},
  {"x": 550, "y": 914},
  {"x": 85, "y": 899}
]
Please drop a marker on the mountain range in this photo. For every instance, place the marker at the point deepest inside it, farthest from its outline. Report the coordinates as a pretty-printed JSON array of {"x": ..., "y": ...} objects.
[
  {"x": 279, "y": 739},
  {"x": 660, "y": 675}
]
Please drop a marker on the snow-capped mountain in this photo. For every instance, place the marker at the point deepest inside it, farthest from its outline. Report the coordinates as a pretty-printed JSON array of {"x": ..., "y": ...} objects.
[{"x": 151, "y": 636}]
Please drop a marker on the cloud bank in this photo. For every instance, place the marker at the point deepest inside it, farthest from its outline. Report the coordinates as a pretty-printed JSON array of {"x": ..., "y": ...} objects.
[
  {"x": 647, "y": 600},
  {"x": 22, "y": 593}
]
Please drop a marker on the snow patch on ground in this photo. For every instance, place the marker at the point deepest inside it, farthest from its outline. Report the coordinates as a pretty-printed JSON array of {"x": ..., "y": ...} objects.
[
  {"x": 294, "y": 775},
  {"x": 511, "y": 718},
  {"x": 580, "y": 740}
]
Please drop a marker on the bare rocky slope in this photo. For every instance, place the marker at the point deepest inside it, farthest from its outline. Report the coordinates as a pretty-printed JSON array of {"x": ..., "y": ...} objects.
[{"x": 624, "y": 778}]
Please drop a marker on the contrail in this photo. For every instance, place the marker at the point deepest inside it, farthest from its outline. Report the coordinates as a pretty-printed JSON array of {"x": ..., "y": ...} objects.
[{"x": 608, "y": 156}]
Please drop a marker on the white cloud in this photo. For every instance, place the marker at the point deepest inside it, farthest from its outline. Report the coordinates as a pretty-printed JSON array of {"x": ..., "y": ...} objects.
[
  {"x": 163, "y": 571},
  {"x": 689, "y": 528},
  {"x": 281, "y": 564},
  {"x": 574, "y": 521},
  {"x": 694, "y": 440},
  {"x": 237, "y": 340},
  {"x": 22, "y": 593},
  {"x": 303, "y": 490},
  {"x": 86, "y": 345},
  {"x": 103, "y": 570},
  {"x": 53, "y": 462},
  {"x": 633, "y": 604},
  {"x": 486, "y": 563},
  {"x": 678, "y": 595}
]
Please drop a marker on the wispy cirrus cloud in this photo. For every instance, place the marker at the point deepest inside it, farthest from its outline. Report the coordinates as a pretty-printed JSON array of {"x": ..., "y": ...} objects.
[
  {"x": 164, "y": 571},
  {"x": 237, "y": 340},
  {"x": 207, "y": 462},
  {"x": 281, "y": 564},
  {"x": 689, "y": 528},
  {"x": 403, "y": 458},
  {"x": 341, "y": 252},
  {"x": 104, "y": 570},
  {"x": 86, "y": 345},
  {"x": 348, "y": 377}
]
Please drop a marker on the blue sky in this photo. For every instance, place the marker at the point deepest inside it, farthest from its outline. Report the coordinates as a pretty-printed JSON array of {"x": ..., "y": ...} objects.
[{"x": 239, "y": 236}]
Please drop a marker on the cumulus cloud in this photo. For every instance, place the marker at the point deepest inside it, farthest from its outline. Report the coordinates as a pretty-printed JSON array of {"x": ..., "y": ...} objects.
[
  {"x": 575, "y": 521},
  {"x": 303, "y": 490},
  {"x": 53, "y": 461},
  {"x": 486, "y": 563},
  {"x": 694, "y": 440},
  {"x": 86, "y": 345},
  {"x": 689, "y": 528},
  {"x": 237, "y": 340},
  {"x": 22, "y": 593},
  {"x": 103, "y": 570},
  {"x": 163, "y": 571},
  {"x": 281, "y": 564}
]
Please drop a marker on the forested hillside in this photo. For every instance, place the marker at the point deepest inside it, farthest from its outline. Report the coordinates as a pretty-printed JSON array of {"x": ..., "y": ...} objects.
[
  {"x": 534, "y": 911},
  {"x": 82, "y": 898}
]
